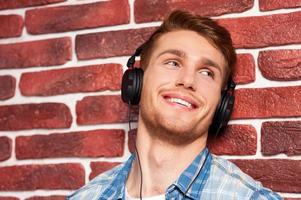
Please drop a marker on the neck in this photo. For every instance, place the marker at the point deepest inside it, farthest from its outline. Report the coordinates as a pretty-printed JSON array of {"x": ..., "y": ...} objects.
[{"x": 161, "y": 162}]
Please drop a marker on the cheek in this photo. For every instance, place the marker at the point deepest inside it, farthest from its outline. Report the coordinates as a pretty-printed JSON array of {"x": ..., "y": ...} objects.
[
  {"x": 212, "y": 94},
  {"x": 215, "y": 98},
  {"x": 153, "y": 79},
  {"x": 148, "y": 88}
]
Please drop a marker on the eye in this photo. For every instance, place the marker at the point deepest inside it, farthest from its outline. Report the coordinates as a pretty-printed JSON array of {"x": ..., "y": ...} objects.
[
  {"x": 207, "y": 72},
  {"x": 172, "y": 64}
]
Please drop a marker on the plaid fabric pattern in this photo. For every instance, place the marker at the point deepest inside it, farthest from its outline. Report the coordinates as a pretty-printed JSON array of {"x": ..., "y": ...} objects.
[{"x": 208, "y": 177}]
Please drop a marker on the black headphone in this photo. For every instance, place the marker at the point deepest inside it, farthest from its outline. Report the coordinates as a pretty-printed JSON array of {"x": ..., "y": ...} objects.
[{"x": 131, "y": 87}]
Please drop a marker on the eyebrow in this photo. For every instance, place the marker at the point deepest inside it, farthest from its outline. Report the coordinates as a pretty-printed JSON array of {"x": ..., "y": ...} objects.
[
  {"x": 182, "y": 54},
  {"x": 176, "y": 52},
  {"x": 210, "y": 62}
]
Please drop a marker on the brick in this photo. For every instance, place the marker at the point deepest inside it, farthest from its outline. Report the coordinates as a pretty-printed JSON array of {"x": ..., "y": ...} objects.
[
  {"x": 7, "y": 87},
  {"x": 236, "y": 140},
  {"x": 10, "y": 25},
  {"x": 100, "y": 167},
  {"x": 75, "y": 17},
  {"x": 9, "y": 198},
  {"x": 265, "y": 5},
  {"x": 32, "y": 116},
  {"x": 101, "y": 109},
  {"x": 4, "y": 4},
  {"x": 5, "y": 148},
  {"x": 281, "y": 137},
  {"x": 111, "y": 43},
  {"x": 148, "y": 10},
  {"x": 263, "y": 31},
  {"x": 278, "y": 174},
  {"x": 246, "y": 32},
  {"x": 95, "y": 143},
  {"x": 244, "y": 70},
  {"x": 280, "y": 65},
  {"x": 53, "y": 197},
  {"x": 35, "y": 53},
  {"x": 33, "y": 177},
  {"x": 267, "y": 102},
  {"x": 70, "y": 80}
]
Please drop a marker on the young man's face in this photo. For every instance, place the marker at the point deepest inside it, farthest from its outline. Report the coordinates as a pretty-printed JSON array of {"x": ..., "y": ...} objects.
[{"x": 181, "y": 86}]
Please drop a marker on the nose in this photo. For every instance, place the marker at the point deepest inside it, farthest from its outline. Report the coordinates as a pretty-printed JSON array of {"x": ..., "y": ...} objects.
[{"x": 186, "y": 79}]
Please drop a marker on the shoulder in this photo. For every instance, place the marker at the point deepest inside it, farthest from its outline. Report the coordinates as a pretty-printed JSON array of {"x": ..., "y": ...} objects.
[
  {"x": 95, "y": 188},
  {"x": 229, "y": 181},
  {"x": 224, "y": 168}
]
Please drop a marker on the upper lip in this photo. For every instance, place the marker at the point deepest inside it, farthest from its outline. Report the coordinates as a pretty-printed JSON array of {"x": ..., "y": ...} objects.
[{"x": 182, "y": 96}]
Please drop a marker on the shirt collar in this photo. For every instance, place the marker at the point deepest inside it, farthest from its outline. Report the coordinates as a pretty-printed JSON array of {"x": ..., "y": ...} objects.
[
  {"x": 193, "y": 179},
  {"x": 190, "y": 182},
  {"x": 120, "y": 181}
]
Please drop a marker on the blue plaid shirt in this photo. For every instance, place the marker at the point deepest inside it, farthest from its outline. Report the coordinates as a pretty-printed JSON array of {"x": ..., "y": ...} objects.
[{"x": 208, "y": 177}]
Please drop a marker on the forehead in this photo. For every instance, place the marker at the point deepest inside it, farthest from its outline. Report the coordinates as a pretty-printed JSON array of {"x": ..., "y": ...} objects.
[{"x": 189, "y": 42}]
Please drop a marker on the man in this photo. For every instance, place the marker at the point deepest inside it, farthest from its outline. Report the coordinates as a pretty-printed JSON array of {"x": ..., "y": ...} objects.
[{"x": 187, "y": 63}]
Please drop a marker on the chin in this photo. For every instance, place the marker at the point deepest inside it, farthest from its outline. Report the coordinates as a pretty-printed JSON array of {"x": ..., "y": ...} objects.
[
  {"x": 180, "y": 122},
  {"x": 178, "y": 136},
  {"x": 178, "y": 132}
]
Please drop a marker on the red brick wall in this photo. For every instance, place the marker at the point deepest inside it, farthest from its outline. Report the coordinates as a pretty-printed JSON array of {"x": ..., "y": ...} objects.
[{"x": 61, "y": 63}]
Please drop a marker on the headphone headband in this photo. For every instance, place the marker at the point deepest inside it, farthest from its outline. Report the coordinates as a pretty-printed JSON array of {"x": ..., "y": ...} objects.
[{"x": 131, "y": 61}]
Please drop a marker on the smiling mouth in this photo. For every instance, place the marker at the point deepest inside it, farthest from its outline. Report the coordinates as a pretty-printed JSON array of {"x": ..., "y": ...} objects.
[{"x": 180, "y": 102}]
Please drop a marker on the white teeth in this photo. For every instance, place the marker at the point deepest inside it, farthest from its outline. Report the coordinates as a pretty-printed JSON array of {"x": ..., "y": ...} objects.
[{"x": 180, "y": 101}]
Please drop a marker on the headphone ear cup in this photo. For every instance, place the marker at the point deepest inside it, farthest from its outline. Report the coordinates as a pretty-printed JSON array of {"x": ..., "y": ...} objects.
[
  {"x": 222, "y": 113},
  {"x": 131, "y": 86}
]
